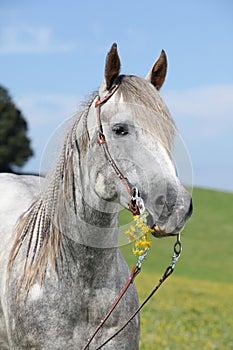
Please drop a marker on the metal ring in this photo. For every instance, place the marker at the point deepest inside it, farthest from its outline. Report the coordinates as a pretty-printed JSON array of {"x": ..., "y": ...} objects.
[{"x": 177, "y": 247}]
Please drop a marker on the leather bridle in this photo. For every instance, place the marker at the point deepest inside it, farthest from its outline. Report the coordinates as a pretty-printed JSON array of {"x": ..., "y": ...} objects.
[{"x": 136, "y": 204}]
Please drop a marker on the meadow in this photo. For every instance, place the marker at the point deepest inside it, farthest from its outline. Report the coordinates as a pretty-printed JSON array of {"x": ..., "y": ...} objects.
[{"x": 193, "y": 309}]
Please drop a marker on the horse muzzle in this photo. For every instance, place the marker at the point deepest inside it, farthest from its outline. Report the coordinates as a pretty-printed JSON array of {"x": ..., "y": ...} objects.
[{"x": 172, "y": 222}]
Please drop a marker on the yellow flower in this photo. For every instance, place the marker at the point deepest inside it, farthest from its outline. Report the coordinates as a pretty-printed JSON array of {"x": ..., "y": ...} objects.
[
  {"x": 130, "y": 235},
  {"x": 143, "y": 243},
  {"x": 140, "y": 223},
  {"x": 140, "y": 233},
  {"x": 138, "y": 252},
  {"x": 138, "y": 244},
  {"x": 146, "y": 244},
  {"x": 146, "y": 229}
]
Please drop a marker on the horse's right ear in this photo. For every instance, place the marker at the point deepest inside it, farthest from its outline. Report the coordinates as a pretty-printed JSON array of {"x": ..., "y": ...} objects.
[
  {"x": 157, "y": 74},
  {"x": 112, "y": 67}
]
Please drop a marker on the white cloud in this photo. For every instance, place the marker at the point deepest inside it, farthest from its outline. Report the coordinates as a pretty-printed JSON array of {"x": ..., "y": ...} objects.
[
  {"x": 44, "y": 113},
  {"x": 205, "y": 103},
  {"x": 30, "y": 40},
  {"x": 202, "y": 113},
  {"x": 42, "y": 109},
  {"x": 204, "y": 116}
]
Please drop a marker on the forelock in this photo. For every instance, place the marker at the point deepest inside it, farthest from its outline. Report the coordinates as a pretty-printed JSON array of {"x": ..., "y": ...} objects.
[{"x": 148, "y": 108}]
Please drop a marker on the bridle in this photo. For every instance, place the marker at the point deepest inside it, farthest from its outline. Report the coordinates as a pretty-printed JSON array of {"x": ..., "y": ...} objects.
[{"x": 136, "y": 206}]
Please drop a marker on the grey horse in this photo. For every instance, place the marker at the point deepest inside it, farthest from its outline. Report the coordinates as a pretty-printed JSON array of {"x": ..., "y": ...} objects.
[{"x": 60, "y": 266}]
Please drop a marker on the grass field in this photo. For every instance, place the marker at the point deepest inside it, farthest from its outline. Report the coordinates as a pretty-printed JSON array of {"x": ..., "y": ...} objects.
[{"x": 193, "y": 309}]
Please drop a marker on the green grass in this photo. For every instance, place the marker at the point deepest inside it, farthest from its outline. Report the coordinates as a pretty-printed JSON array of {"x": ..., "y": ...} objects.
[
  {"x": 193, "y": 309},
  {"x": 186, "y": 314},
  {"x": 207, "y": 240}
]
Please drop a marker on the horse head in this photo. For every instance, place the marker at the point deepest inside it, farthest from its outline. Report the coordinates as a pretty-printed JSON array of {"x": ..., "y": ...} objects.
[{"x": 137, "y": 128}]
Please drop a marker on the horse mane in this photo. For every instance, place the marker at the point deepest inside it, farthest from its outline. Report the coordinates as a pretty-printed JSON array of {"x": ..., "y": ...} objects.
[{"x": 39, "y": 226}]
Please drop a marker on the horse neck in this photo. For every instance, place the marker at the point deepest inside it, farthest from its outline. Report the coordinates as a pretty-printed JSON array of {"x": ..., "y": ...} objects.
[
  {"x": 88, "y": 243},
  {"x": 85, "y": 218},
  {"x": 84, "y": 264}
]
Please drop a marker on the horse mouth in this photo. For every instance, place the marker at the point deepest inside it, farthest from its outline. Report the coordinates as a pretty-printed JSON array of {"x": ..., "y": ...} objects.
[
  {"x": 158, "y": 233},
  {"x": 162, "y": 229}
]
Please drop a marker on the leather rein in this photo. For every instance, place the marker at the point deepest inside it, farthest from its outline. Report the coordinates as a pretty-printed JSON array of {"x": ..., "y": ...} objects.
[{"x": 136, "y": 206}]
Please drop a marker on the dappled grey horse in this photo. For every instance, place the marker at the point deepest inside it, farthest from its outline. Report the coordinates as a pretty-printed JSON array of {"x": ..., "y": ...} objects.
[{"x": 60, "y": 266}]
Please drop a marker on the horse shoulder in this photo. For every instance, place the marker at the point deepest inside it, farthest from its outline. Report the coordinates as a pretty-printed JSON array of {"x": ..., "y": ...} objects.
[{"x": 17, "y": 193}]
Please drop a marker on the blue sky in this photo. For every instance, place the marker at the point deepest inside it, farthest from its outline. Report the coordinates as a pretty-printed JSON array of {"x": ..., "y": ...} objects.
[{"x": 52, "y": 56}]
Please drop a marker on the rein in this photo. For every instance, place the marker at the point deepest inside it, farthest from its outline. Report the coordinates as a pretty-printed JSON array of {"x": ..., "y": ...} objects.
[
  {"x": 135, "y": 271},
  {"x": 136, "y": 206}
]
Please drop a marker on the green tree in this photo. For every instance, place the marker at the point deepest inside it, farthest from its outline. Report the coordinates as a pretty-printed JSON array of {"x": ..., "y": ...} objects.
[{"x": 14, "y": 144}]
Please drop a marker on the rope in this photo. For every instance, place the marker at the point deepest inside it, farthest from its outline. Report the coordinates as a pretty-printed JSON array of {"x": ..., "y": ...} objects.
[
  {"x": 167, "y": 273},
  {"x": 135, "y": 271}
]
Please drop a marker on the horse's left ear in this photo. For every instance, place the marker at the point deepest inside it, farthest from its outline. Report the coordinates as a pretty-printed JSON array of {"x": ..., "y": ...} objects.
[
  {"x": 158, "y": 73},
  {"x": 112, "y": 67}
]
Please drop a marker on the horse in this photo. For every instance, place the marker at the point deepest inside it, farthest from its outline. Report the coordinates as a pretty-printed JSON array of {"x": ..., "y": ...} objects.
[{"x": 60, "y": 264}]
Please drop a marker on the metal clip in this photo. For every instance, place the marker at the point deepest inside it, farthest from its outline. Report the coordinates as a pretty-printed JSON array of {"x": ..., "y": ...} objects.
[
  {"x": 177, "y": 251},
  {"x": 140, "y": 259},
  {"x": 136, "y": 201},
  {"x": 101, "y": 137}
]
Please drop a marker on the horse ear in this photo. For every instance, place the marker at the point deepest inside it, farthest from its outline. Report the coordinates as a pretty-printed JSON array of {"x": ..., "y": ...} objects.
[
  {"x": 112, "y": 66},
  {"x": 157, "y": 74}
]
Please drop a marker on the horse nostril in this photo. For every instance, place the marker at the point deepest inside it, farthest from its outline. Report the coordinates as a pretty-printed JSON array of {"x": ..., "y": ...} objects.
[
  {"x": 190, "y": 208},
  {"x": 160, "y": 200}
]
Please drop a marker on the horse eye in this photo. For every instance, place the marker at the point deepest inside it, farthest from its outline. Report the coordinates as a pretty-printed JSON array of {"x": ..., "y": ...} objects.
[{"x": 120, "y": 129}]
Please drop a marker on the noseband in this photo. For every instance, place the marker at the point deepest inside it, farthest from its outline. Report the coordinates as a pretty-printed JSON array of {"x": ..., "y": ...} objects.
[{"x": 136, "y": 204}]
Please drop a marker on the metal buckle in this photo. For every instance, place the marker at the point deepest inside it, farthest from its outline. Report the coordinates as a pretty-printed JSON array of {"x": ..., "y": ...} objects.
[{"x": 137, "y": 203}]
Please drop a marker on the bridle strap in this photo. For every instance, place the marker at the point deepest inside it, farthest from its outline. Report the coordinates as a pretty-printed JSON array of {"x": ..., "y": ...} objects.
[
  {"x": 107, "y": 97},
  {"x": 133, "y": 205},
  {"x": 98, "y": 104}
]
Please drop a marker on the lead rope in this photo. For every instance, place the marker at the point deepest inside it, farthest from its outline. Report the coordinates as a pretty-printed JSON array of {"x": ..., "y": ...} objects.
[{"x": 135, "y": 271}]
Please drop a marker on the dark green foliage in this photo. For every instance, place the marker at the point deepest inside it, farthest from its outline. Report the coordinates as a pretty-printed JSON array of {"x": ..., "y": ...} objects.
[{"x": 14, "y": 143}]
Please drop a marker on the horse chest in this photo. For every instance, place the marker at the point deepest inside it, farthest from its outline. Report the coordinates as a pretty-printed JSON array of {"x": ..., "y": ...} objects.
[
  {"x": 73, "y": 304},
  {"x": 66, "y": 318}
]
